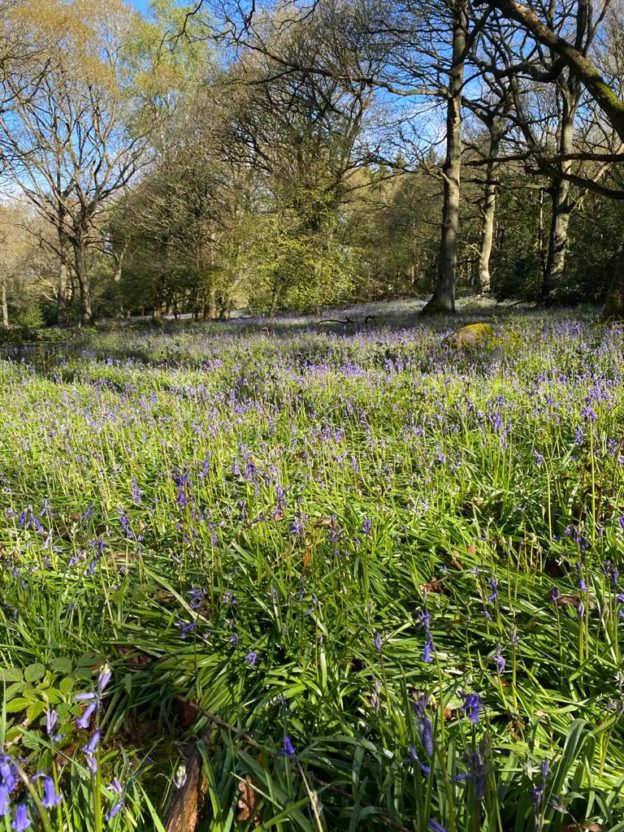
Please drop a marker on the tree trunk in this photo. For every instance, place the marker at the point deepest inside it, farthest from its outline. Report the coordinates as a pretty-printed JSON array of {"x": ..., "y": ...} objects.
[
  {"x": 63, "y": 280},
  {"x": 443, "y": 300},
  {"x": 489, "y": 212},
  {"x": 614, "y": 302},
  {"x": 117, "y": 280},
  {"x": 561, "y": 203},
  {"x": 82, "y": 274},
  {"x": 4, "y": 302}
]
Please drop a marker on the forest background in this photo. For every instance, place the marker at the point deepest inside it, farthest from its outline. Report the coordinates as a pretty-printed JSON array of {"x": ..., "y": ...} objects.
[{"x": 208, "y": 157}]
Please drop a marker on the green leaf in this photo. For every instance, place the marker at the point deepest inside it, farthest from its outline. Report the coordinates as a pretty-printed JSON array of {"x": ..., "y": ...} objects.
[
  {"x": 17, "y": 705},
  {"x": 62, "y": 664},
  {"x": 10, "y": 674},
  {"x": 34, "y": 672}
]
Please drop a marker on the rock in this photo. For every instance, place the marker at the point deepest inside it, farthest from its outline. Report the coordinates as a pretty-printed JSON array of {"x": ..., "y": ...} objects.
[{"x": 471, "y": 335}]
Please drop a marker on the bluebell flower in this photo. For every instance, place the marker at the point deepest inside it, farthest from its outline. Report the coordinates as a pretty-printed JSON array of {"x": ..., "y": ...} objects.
[
  {"x": 428, "y": 650},
  {"x": 493, "y": 583},
  {"x": 500, "y": 662},
  {"x": 425, "y": 731},
  {"x": 426, "y": 770},
  {"x": 21, "y": 821},
  {"x": 5, "y": 804},
  {"x": 104, "y": 678},
  {"x": 436, "y": 826},
  {"x": 8, "y": 773},
  {"x": 93, "y": 743},
  {"x": 115, "y": 809},
  {"x": 50, "y": 797},
  {"x": 471, "y": 706},
  {"x": 377, "y": 641},
  {"x": 420, "y": 704},
  {"x": 536, "y": 794},
  {"x": 251, "y": 658},
  {"x": 84, "y": 721},
  {"x": 288, "y": 749}
]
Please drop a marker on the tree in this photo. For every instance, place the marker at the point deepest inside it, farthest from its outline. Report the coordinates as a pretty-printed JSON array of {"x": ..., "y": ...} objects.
[
  {"x": 78, "y": 125},
  {"x": 586, "y": 72}
]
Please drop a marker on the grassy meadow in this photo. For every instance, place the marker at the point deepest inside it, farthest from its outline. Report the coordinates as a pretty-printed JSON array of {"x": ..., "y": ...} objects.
[{"x": 341, "y": 578}]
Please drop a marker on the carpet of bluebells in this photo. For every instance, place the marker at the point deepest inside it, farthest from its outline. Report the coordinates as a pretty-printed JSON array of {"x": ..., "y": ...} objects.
[{"x": 372, "y": 578}]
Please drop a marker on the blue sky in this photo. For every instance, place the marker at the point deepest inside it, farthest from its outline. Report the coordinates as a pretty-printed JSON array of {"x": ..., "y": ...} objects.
[{"x": 141, "y": 5}]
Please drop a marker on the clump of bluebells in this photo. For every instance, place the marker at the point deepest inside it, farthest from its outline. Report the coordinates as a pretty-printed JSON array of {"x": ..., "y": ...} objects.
[
  {"x": 281, "y": 538},
  {"x": 29, "y": 799}
]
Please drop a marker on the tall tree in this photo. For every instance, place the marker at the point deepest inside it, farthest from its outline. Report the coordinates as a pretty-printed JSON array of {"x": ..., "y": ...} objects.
[{"x": 78, "y": 125}]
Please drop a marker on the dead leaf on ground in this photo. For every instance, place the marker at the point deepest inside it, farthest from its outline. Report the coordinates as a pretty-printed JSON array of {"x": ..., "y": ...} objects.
[
  {"x": 435, "y": 586},
  {"x": 248, "y": 802}
]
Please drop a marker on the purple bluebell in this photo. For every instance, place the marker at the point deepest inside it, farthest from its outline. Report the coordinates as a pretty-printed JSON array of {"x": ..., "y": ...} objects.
[
  {"x": 84, "y": 721},
  {"x": 436, "y": 826},
  {"x": 554, "y": 595},
  {"x": 116, "y": 786},
  {"x": 377, "y": 641},
  {"x": 536, "y": 794},
  {"x": 51, "y": 720},
  {"x": 21, "y": 822},
  {"x": 114, "y": 810},
  {"x": 493, "y": 584},
  {"x": 425, "y": 731},
  {"x": 421, "y": 703},
  {"x": 478, "y": 771},
  {"x": 426, "y": 770},
  {"x": 50, "y": 796},
  {"x": 93, "y": 743},
  {"x": 428, "y": 650},
  {"x": 5, "y": 803},
  {"x": 251, "y": 658},
  {"x": 288, "y": 749},
  {"x": 471, "y": 706},
  {"x": 8, "y": 773},
  {"x": 104, "y": 677},
  {"x": 500, "y": 662}
]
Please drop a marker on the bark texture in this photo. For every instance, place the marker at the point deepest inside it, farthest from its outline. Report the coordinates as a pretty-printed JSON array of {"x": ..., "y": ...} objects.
[
  {"x": 443, "y": 300},
  {"x": 489, "y": 213},
  {"x": 614, "y": 303},
  {"x": 562, "y": 205}
]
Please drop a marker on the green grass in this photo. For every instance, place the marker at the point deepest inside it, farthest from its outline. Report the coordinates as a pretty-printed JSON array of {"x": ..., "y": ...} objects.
[{"x": 256, "y": 520}]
